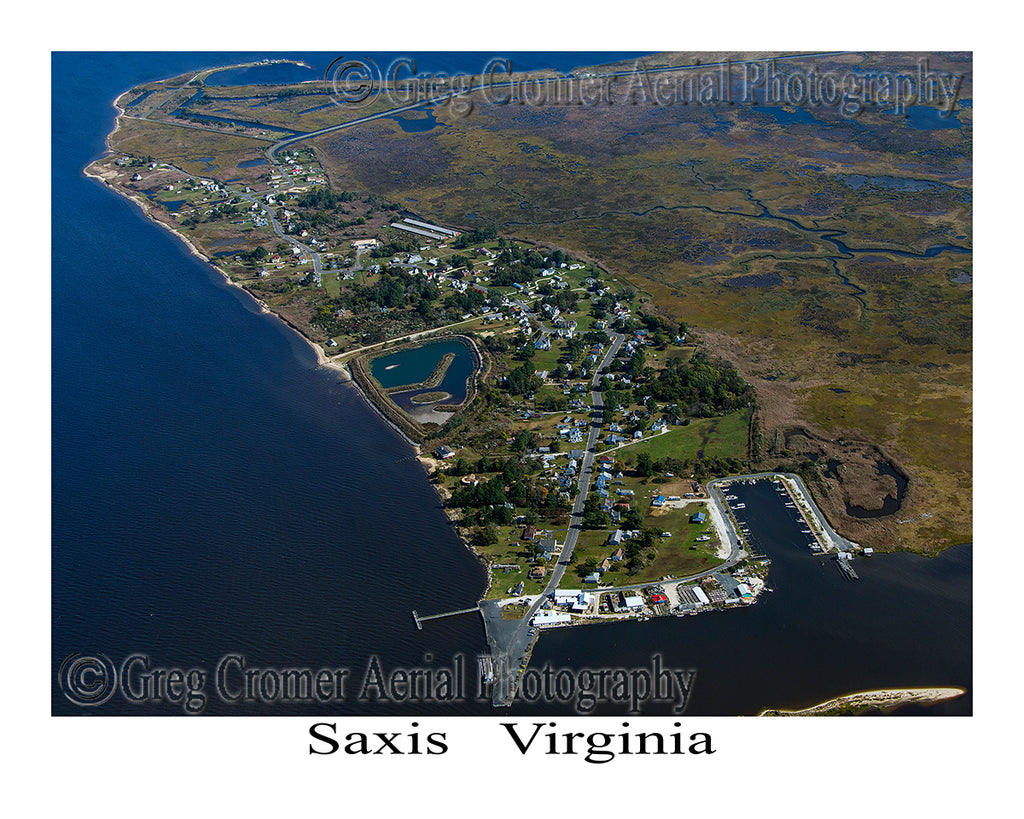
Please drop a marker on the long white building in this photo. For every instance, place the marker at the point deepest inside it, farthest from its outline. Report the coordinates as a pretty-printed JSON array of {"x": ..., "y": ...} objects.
[
  {"x": 551, "y": 618},
  {"x": 428, "y": 226}
]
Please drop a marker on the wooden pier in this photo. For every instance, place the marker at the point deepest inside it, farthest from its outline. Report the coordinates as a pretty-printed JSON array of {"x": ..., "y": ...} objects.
[{"x": 420, "y": 620}]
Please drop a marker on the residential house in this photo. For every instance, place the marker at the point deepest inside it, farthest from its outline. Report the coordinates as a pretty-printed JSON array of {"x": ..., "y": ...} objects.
[{"x": 547, "y": 547}]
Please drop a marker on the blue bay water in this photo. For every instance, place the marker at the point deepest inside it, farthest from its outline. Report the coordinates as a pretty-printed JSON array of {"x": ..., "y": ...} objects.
[
  {"x": 907, "y": 623},
  {"x": 214, "y": 491},
  {"x": 405, "y": 64}
]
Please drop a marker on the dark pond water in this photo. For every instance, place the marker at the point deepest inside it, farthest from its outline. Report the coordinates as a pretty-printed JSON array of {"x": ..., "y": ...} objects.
[
  {"x": 890, "y": 504},
  {"x": 412, "y": 125},
  {"x": 415, "y": 365},
  {"x": 893, "y": 183}
]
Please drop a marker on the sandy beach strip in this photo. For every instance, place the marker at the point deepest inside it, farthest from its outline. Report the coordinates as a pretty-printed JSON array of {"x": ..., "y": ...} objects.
[
  {"x": 721, "y": 527},
  {"x": 881, "y": 698},
  {"x": 323, "y": 360}
]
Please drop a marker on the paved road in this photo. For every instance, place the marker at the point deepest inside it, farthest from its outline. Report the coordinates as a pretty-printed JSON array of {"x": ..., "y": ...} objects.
[
  {"x": 630, "y": 73},
  {"x": 300, "y": 137},
  {"x": 509, "y": 643},
  {"x": 409, "y": 337},
  {"x": 509, "y": 639},
  {"x": 254, "y": 198}
]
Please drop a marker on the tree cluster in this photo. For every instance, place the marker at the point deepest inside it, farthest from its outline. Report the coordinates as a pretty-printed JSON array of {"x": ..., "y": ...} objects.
[
  {"x": 509, "y": 485},
  {"x": 704, "y": 385},
  {"x": 522, "y": 380},
  {"x": 476, "y": 237}
]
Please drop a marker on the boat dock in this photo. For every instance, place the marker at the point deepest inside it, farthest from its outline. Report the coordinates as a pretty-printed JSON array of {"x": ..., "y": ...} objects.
[
  {"x": 846, "y": 568},
  {"x": 421, "y": 620}
]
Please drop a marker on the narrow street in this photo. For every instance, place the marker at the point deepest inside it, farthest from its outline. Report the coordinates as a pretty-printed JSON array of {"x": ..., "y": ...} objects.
[{"x": 510, "y": 642}]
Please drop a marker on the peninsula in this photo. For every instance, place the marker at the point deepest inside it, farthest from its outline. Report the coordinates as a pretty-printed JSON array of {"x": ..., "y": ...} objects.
[
  {"x": 865, "y": 701},
  {"x": 582, "y": 409}
]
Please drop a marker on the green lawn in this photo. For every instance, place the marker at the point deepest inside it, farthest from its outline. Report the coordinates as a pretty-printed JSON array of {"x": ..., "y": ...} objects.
[
  {"x": 332, "y": 286},
  {"x": 724, "y": 437},
  {"x": 547, "y": 359},
  {"x": 661, "y": 357},
  {"x": 675, "y": 556},
  {"x": 511, "y": 549}
]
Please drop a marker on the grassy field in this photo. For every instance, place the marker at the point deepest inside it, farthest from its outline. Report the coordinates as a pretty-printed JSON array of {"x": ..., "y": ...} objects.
[
  {"x": 724, "y": 437},
  {"x": 677, "y": 555},
  {"x": 182, "y": 147},
  {"x": 680, "y": 554}
]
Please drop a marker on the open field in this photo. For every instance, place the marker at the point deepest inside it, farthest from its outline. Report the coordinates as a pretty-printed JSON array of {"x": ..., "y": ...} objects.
[
  {"x": 724, "y": 437},
  {"x": 184, "y": 147}
]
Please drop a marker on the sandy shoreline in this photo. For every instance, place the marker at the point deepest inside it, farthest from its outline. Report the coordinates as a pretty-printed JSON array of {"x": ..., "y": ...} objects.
[
  {"x": 429, "y": 464},
  {"x": 721, "y": 528},
  {"x": 881, "y": 698},
  {"x": 147, "y": 209},
  {"x": 339, "y": 368}
]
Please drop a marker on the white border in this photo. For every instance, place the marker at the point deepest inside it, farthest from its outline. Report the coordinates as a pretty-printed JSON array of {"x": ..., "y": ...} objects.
[{"x": 936, "y": 767}]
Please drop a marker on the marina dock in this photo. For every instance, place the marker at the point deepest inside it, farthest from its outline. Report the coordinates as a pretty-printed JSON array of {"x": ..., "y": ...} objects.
[{"x": 846, "y": 568}]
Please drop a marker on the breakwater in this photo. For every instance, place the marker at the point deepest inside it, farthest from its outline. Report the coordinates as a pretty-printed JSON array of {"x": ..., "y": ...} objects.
[
  {"x": 361, "y": 368},
  {"x": 432, "y": 381}
]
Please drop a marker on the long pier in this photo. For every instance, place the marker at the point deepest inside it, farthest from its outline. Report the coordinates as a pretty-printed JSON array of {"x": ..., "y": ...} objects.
[{"x": 421, "y": 620}]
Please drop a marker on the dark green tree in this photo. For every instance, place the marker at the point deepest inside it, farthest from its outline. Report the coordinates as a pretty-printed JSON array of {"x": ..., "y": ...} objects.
[{"x": 644, "y": 465}]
